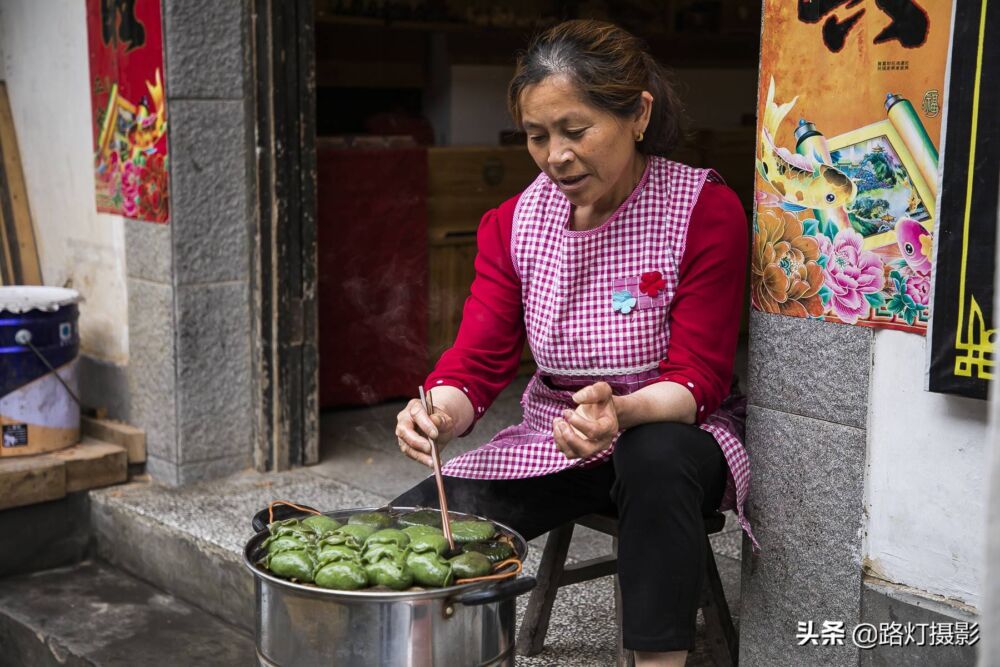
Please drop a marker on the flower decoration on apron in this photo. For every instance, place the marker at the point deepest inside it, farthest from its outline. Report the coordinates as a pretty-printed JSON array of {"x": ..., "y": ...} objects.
[
  {"x": 623, "y": 302},
  {"x": 651, "y": 282}
]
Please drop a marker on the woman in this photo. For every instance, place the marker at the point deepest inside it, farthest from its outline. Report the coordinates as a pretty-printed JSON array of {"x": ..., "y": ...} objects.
[{"x": 625, "y": 271}]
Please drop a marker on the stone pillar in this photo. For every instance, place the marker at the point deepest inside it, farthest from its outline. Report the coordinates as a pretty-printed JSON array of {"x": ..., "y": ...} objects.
[
  {"x": 808, "y": 391},
  {"x": 190, "y": 370}
]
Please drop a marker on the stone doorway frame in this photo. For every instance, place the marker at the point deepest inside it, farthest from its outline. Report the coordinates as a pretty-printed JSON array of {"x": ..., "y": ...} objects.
[{"x": 222, "y": 371}]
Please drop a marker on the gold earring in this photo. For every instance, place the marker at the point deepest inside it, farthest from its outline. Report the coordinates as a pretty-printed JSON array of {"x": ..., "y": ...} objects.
[{"x": 638, "y": 137}]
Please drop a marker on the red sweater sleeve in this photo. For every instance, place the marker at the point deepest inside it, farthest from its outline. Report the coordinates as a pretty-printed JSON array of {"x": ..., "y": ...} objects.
[
  {"x": 487, "y": 350},
  {"x": 705, "y": 311}
]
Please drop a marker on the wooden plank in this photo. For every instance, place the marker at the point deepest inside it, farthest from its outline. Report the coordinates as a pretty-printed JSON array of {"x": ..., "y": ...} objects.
[
  {"x": 19, "y": 235},
  {"x": 451, "y": 272},
  {"x": 31, "y": 479},
  {"x": 92, "y": 464},
  {"x": 133, "y": 439},
  {"x": 8, "y": 256},
  {"x": 602, "y": 566},
  {"x": 309, "y": 407},
  {"x": 465, "y": 182},
  {"x": 479, "y": 170},
  {"x": 284, "y": 284}
]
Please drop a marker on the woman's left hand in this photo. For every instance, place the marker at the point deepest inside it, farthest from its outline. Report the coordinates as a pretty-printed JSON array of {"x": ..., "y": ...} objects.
[{"x": 591, "y": 427}]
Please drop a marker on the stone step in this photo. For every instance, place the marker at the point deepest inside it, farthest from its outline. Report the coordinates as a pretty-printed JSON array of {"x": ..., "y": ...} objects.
[
  {"x": 94, "y": 615},
  {"x": 189, "y": 541}
]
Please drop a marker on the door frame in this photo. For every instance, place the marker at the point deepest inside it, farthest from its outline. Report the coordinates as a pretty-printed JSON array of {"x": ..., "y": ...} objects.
[{"x": 286, "y": 358}]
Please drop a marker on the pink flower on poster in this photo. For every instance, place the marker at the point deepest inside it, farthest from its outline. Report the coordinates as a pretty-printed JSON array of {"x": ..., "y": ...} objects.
[
  {"x": 850, "y": 273},
  {"x": 131, "y": 178},
  {"x": 918, "y": 287}
]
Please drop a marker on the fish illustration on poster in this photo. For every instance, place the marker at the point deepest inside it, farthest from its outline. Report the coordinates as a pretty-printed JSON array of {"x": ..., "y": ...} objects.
[
  {"x": 849, "y": 126},
  {"x": 125, "y": 40}
]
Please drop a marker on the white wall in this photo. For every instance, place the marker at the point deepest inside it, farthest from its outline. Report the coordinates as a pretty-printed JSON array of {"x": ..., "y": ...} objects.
[
  {"x": 478, "y": 107},
  {"x": 926, "y": 480},
  {"x": 47, "y": 72}
]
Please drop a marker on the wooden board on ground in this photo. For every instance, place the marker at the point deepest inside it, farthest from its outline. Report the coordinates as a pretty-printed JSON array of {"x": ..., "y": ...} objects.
[
  {"x": 93, "y": 464},
  {"x": 30, "y": 480},
  {"x": 19, "y": 263},
  {"x": 36, "y": 479},
  {"x": 133, "y": 439}
]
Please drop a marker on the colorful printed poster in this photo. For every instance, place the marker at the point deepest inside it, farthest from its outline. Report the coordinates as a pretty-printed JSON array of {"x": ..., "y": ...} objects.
[
  {"x": 849, "y": 123},
  {"x": 962, "y": 353},
  {"x": 125, "y": 40}
]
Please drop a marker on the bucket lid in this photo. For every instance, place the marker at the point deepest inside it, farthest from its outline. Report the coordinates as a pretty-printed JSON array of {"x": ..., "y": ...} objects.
[{"x": 22, "y": 298}]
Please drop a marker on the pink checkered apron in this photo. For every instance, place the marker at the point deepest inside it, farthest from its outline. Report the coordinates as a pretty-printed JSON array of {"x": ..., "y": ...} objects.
[{"x": 577, "y": 334}]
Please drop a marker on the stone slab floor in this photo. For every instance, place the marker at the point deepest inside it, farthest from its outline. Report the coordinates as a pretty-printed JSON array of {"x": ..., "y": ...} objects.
[{"x": 359, "y": 450}]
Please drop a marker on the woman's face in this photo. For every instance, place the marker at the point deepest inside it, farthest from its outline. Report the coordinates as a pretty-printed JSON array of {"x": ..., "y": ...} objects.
[{"x": 588, "y": 152}]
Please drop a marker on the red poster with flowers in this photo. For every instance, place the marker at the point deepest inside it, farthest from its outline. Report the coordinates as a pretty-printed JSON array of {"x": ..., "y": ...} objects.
[{"x": 125, "y": 39}]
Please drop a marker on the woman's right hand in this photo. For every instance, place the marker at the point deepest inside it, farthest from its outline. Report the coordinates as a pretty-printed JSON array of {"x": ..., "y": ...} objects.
[{"x": 414, "y": 426}]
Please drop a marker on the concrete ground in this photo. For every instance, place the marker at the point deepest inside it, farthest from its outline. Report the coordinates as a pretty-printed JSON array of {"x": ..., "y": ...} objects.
[{"x": 359, "y": 450}]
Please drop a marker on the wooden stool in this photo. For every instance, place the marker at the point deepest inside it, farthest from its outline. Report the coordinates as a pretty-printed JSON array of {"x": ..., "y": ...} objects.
[{"x": 553, "y": 572}]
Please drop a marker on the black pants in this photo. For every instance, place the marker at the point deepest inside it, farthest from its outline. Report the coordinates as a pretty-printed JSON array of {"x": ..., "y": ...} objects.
[{"x": 662, "y": 480}]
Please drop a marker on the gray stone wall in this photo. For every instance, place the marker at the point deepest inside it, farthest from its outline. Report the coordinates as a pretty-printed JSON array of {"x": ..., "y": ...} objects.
[
  {"x": 103, "y": 385},
  {"x": 808, "y": 391},
  {"x": 190, "y": 374}
]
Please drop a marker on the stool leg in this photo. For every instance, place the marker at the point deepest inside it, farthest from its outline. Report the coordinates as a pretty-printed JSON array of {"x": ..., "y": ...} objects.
[
  {"x": 535, "y": 624},
  {"x": 720, "y": 633},
  {"x": 625, "y": 657}
]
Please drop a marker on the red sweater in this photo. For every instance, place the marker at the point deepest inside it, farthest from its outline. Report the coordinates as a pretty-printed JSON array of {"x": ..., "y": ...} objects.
[{"x": 704, "y": 313}]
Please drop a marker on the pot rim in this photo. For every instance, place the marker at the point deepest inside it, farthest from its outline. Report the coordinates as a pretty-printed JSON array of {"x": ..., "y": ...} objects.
[{"x": 520, "y": 548}]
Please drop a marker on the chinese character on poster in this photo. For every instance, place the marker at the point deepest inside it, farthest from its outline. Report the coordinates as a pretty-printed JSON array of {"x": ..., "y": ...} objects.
[
  {"x": 129, "y": 114},
  {"x": 847, "y": 159}
]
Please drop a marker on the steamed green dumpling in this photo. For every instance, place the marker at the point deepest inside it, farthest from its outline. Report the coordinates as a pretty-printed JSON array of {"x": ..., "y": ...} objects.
[
  {"x": 290, "y": 527},
  {"x": 430, "y": 569},
  {"x": 321, "y": 524},
  {"x": 472, "y": 531},
  {"x": 421, "y": 518},
  {"x": 429, "y": 542},
  {"x": 496, "y": 551},
  {"x": 420, "y": 529},
  {"x": 471, "y": 564},
  {"x": 359, "y": 532},
  {"x": 386, "y": 566},
  {"x": 375, "y": 552},
  {"x": 289, "y": 542},
  {"x": 343, "y": 575},
  {"x": 389, "y": 536},
  {"x": 293, "y": 564},
  {"x": 374, "y": 520},
  {"x": 328, "y": 553}
]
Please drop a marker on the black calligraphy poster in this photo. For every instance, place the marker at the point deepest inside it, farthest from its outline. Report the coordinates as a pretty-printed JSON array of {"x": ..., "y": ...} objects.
[{"x": 962, "y": 353}]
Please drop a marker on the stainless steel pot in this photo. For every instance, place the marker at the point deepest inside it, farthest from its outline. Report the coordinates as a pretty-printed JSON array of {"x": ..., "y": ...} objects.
[{"x": 300, "y": 625}]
